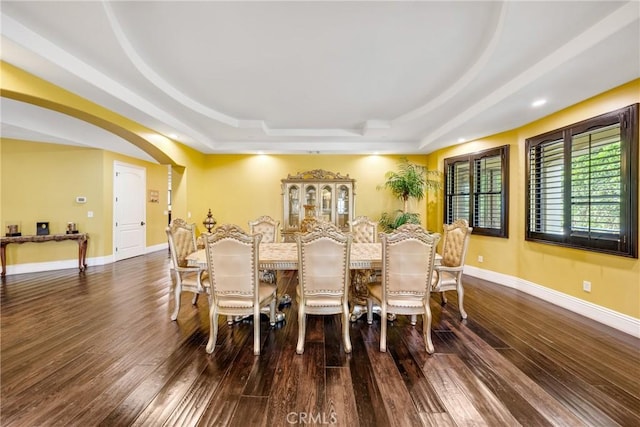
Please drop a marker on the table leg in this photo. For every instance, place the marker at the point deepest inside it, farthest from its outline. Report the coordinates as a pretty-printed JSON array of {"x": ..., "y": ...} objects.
[
  {"x": 358, "y": 293},
  {"x": 82, "y": 254},
  {"x": 3, "y": 256}
]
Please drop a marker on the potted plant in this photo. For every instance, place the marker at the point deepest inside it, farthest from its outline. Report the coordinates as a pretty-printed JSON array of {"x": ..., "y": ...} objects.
[{"x": 412, "y": 181}]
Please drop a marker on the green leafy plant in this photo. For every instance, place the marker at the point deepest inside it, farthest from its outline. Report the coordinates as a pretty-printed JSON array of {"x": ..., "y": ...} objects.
[{"x": 411, "y": 181}]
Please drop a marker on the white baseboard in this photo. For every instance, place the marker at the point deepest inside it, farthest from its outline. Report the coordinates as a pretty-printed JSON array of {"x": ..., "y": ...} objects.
[
  {"x": 606, "y": 316},
  {"x": 38, "y": 267},
  {"x": 156, "y": 248}
]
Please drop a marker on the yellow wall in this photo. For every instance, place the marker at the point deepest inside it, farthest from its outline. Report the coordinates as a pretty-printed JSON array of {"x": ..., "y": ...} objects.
[
  {"x": 242, "y": 187},
  {"x": 40, "y": 182},
  {"x": 86, "y": 166},
  {"x": 615, "y": 280}
]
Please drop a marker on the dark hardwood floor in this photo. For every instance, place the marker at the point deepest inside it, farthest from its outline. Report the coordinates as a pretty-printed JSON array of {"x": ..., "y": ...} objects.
[{"x": 98, "y": 348}]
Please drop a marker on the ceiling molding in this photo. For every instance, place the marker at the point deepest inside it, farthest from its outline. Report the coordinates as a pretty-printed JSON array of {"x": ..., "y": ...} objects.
[
  {"x": 615, "y": 21},
  {"x": 328, "y": 77}
]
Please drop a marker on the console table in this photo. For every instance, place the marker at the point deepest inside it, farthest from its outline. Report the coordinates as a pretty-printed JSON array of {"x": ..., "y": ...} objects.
[{"x": 81, "y": 238}]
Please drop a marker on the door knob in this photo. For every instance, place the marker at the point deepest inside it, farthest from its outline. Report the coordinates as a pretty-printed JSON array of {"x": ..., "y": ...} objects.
[{"x": 142, "y": 222}]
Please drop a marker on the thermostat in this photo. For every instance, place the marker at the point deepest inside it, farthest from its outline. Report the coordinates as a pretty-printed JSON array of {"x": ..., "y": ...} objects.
[{"x": 81, "y": 199}]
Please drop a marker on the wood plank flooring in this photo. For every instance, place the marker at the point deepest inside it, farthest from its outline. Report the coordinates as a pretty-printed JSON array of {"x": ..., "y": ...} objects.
[{"x": 98, "y": 349}]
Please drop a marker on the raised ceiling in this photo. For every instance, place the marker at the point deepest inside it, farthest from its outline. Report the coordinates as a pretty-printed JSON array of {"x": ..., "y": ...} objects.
[{"x": 306, "y": 77}]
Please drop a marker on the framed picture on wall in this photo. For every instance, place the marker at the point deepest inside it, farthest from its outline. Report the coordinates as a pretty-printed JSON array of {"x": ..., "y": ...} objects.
[{"x": 42, "y": 228}]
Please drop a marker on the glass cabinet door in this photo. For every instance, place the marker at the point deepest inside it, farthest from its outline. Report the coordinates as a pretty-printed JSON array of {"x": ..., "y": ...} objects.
[
  {"x": 310, "y": 199},
  {"x": 326, "y": 203},
  {"x": 293, "y": 220},
  {"x": 343, "y": 206}
]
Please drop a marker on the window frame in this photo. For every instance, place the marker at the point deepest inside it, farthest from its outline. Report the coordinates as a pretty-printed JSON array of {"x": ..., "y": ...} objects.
[
  {"x": 627, "y": 242},
  {"x": 503, "y": 153}
]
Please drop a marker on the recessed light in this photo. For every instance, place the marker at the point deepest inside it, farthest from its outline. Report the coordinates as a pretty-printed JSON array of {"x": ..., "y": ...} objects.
[{"x": 538, "y": 102}]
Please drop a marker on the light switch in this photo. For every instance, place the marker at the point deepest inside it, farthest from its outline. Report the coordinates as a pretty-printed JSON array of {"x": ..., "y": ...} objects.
[{"x": 90, "y": 214}]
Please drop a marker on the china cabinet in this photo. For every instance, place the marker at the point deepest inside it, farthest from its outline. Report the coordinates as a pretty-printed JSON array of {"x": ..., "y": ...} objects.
[{"x": 316, "y": 194}]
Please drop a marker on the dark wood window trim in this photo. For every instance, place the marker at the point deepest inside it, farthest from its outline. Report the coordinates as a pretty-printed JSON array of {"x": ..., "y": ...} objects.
[
  {"x": 477, "y": 189},
  {"x": 582, "y": 185}
]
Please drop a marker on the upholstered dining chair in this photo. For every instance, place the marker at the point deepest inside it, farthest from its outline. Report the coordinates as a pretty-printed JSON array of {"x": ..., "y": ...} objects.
[
  {"x": 182, "y": 242},
  {"x": 236, "y": 290},
  {"x": 408, "y": 257},
  {"x": 323, "y": 278},
  {"x": 268, "y": 227},
  {"x": 454, "y": 251},
  {"x": 363, "y": 230}
]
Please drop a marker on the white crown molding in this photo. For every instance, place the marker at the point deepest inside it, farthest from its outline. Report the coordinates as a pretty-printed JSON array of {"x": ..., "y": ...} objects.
[
  {"x": 170, "y": 90},
  {"x": 44, "y": 48},
  {"x": 622, "y": 322},
  {"x": 610, "y": 24},
  {"x": 466, "y": 78}
]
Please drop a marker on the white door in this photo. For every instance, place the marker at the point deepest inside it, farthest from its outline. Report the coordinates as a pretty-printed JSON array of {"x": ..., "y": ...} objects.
[{"x": 129, "y": 214}]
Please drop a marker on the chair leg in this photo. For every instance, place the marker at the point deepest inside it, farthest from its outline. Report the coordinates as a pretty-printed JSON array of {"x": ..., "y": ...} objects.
[
  {"x": 369, "y": 311},
  {"x": 177, "y": 292},
  {"x": 426, "y": 326},
  {"x": 256, "y": 331},
  {"x": 345, "y": 327},
  {"x": 383, "y": 328},
  {"x": 301, "y": 329},
  {"x": 414, "y": 319},
  {"x": 213, "y": 330},
  {"x": 463, "y": 313},
  {"x": 443, "y": 297},
  {"x": 194, "y": 301}
]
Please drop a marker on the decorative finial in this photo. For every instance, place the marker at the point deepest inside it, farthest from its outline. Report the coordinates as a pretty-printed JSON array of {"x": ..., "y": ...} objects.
[{"x": 209, "y": 222}]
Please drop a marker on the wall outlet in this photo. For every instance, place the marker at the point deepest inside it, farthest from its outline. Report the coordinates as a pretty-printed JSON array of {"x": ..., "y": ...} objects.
[
  {"x": 90, "y": 214},
  {"x": 480, "y": 258},
  {"x": 586, "y": 286}
]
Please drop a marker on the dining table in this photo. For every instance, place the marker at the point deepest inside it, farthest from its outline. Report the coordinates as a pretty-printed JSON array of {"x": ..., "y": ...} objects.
[{"x": 284, "y": 256}]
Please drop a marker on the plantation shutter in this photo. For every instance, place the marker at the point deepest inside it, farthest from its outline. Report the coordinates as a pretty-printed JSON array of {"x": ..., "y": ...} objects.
[
  {"x": 546, "y": 187},
  {"x": 488, "y": 192},
  {"x": 457, "y": 191}
]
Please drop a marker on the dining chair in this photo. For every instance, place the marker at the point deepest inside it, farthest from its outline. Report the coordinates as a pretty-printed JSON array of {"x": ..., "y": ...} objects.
[
  {"x": 323, "y": 278},
  {"x": 454, "y": 251},
  {"x": 268, "y": 227},
  {"x": 407, "y": 274},
  {"x": 236, "y": 290},
  {"x": 182, "y": 242},
  {"x": 363, "y": 230}
]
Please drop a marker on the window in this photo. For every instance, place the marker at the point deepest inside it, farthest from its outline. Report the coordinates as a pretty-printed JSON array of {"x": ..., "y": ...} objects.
[
  {"x": 476, "y": 190},
  {"x": 582, "y": 184}
]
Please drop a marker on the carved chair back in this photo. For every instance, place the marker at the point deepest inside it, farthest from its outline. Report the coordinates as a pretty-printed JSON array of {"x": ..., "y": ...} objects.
[
  {"x": 363, "y": 230},
  {"x": 455, "y": 243},
  {"x": 266, "y": 226}
]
